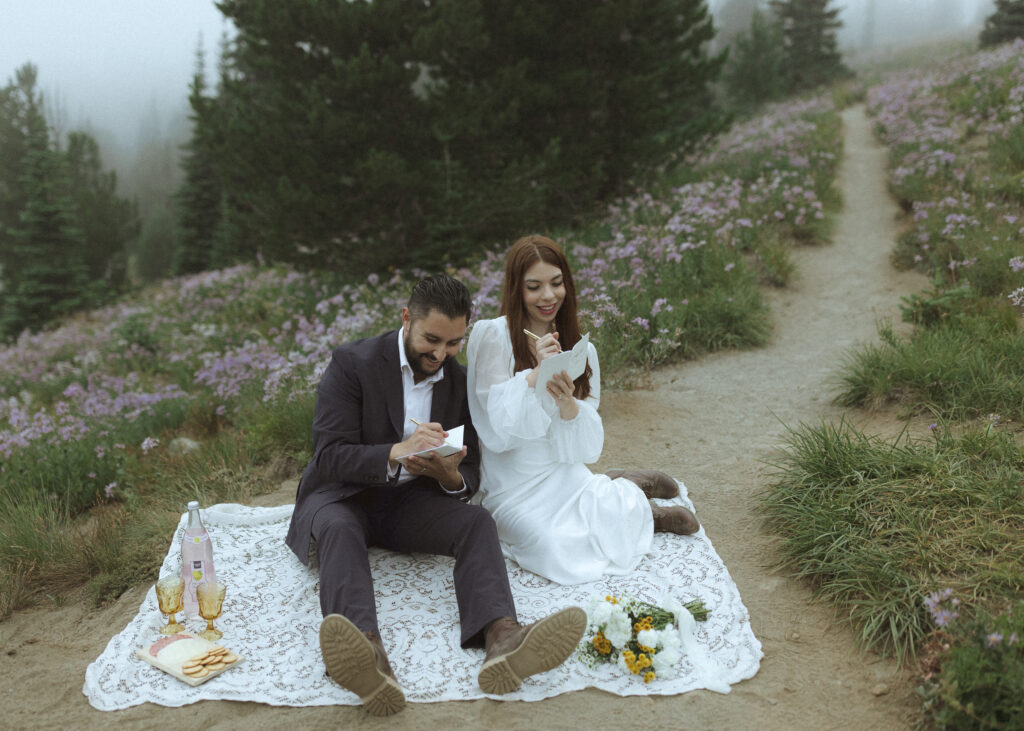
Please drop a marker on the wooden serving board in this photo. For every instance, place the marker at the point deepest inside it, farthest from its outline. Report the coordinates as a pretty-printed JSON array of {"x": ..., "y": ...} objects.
[{"x": 172, "y": 651}]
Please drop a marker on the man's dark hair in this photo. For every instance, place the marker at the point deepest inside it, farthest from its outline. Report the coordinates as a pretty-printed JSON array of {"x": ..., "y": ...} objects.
[{"x": 440, "y": 292}]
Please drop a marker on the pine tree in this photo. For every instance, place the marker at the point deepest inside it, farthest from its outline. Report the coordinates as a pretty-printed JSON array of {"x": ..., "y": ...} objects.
[
  {"x": 109, "y": 222},
  {"x": 17, "y": 102},
  {"x": 754, "y": 74},
  {"x": 48, "y": 277},
  {"x": 41, "y": 244},
  {"x": 1005, "y": 24},
  {"x": 200, "y": 193},
  {"x": 156, "y": 247},
  {"x": 541, "y": 110},
  {"x": 323, "y": 155},
  {"x": 360, "y": 134},
  {"x": 810, "y": 53}
]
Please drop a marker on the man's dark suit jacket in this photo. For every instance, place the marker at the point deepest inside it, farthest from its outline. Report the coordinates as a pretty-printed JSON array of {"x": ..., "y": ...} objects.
[{"x": 360, "y": 412}]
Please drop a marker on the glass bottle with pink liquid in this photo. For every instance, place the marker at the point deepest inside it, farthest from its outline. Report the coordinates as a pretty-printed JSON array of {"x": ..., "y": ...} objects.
[{"x": 196, "y": 558}]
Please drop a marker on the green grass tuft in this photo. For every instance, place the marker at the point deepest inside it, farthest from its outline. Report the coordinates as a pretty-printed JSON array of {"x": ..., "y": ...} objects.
[
  {"x": 875, "y": 525},
  {"x": 962, "y": 369}
]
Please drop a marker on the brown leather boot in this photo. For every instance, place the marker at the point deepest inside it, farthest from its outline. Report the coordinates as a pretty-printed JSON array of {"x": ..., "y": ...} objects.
[
  {"x": 654, "y": 483},
  {"x": 515, "y": 651},
  {"x": 357, "y": 662},
  {"x": 674, "y": 519}
]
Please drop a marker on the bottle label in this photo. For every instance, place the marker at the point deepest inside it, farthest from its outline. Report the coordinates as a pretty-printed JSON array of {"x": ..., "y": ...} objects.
[{"x": 197, "y": 572}]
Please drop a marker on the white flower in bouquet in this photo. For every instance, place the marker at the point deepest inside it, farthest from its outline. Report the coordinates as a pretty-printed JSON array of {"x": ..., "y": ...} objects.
[
  {"x": 639, "y": 637},
  {"x": 649, "y": 638},
  {"x": 618, "y": 629},
  {"x": 665, "y": 661},
  {"x": 598, "y": 611}
]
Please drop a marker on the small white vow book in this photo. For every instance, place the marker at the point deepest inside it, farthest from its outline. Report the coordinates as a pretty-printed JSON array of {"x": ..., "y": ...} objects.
[
  {"x": 573, "y": 362},
  {"x": 452, "y": 444}
]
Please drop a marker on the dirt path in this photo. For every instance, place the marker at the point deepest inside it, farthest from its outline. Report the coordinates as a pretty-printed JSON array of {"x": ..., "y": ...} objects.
[{"x": 711, "y": 423}]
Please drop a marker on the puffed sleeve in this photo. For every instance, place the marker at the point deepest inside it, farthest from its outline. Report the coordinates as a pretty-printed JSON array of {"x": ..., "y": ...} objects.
[
  {"x": 580, "y": 439},
  {"x": 506, "y": 411}
]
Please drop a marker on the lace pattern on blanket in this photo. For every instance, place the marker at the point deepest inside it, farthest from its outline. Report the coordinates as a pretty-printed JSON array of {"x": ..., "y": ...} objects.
[{"x": 272, "y": 617}]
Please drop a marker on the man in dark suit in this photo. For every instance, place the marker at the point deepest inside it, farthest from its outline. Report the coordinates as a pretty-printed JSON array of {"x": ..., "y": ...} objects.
[{"x": 381, "y": 399}]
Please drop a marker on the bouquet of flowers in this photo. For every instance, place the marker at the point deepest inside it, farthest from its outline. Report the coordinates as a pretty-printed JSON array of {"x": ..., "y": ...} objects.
[{"x": 640, "y": 637}]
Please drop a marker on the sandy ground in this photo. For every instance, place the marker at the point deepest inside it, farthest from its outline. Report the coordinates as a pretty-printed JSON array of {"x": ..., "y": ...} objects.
[{"x": 712, "y": 423}]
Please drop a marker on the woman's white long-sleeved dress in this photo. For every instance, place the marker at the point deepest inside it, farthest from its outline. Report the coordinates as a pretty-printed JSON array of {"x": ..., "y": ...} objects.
[{"x": 555, "y": 517}]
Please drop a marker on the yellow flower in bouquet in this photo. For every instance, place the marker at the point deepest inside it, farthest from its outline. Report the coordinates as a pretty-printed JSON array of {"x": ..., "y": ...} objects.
[{"x": 641, "y": 638}]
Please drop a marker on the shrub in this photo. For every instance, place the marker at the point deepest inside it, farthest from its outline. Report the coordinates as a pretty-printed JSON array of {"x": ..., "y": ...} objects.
[{"x": 979, "y": 671}]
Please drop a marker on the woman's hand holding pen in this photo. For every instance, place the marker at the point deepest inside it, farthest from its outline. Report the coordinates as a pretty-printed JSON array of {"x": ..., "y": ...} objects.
[{"x": 544, "y": 346}]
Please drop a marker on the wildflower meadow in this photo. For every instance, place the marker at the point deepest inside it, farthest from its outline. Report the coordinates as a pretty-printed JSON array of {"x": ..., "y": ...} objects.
[
  {"x": 919, "y": 541},
  {"x": 94, "y": 413}
]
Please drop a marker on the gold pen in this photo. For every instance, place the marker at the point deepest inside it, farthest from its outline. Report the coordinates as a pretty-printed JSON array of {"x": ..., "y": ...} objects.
[{"x": 535, "y": 337}]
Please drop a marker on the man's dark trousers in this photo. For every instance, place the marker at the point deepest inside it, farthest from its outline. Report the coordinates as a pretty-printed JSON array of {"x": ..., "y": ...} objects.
[{"x": 346, "y": 501}]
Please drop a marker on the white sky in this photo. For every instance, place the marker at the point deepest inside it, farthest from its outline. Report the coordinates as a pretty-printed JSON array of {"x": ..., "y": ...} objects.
[{"x": 111, "y": 63}]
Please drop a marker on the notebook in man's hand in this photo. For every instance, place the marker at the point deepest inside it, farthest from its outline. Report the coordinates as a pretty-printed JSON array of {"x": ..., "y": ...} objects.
[{"x": 452, "y": 444}]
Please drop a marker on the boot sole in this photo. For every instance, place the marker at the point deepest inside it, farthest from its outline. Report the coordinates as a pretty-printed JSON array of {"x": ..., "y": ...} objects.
[
  {"x": 352, "y": 664},
  {"x": 547, "y": 645}
]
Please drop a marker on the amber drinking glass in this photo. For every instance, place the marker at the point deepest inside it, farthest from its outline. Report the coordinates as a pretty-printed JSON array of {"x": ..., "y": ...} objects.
[
  {"x": 170, "y": 590},
  {"x": 211, "y": 600}
]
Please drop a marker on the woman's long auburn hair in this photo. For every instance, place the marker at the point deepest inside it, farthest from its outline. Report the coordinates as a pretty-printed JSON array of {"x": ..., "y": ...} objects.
[{"x": 524, "y": 253}]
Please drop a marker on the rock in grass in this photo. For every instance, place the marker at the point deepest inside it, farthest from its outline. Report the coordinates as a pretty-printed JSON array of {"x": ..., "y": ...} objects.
[{"x": 183, "y": 445}]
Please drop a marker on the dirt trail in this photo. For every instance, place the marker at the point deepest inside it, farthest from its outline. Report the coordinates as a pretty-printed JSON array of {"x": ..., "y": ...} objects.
[
  {"x": 711, "y": 423},
  {"x": 729, "y": 412}
]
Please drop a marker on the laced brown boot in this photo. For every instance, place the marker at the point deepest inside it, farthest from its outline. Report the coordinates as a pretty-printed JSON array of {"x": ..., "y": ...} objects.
[
  {"x": 357, "y": 662},
  {"x": 674, "y": 519},
  {"x": 654, "y": 483},
  {"x": 515, "y": 651}
]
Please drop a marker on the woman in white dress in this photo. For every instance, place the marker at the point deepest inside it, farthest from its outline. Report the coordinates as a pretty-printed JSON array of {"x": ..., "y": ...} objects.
[{"x": 554, "y": 516}]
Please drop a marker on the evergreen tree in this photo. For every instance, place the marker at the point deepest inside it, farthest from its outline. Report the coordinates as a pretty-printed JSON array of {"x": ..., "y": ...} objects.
[
  {"x": 200, "y": 193},
  {"x": 359, "y": 134},
  {"x": 1005, "y": 24},
  {"x": 63, "y": 229},
  {"x": 41, "y": 245},
  {"x": 754, "y": 74},
  {"x": 323, "y": 155},
  {"x": 45, "y": 275},
  {"x": 810, "y": 55},
  {"x": 156, "y": 246},
  {"x": 110, "y": 223},
  {"x": 544, "y": 109},
  {"x": 19, "y": 109}
]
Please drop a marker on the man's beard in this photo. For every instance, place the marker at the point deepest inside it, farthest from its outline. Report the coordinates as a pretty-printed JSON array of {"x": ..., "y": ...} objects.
[{"x": 417, "y": 360}]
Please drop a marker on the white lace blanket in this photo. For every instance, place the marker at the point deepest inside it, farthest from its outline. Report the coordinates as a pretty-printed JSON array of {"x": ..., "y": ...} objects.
[{"x": 272, "y": 617}]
